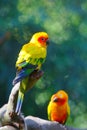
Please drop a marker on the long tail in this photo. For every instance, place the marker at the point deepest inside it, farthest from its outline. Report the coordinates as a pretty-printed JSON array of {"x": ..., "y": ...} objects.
[{"x": 19, "y": 102}]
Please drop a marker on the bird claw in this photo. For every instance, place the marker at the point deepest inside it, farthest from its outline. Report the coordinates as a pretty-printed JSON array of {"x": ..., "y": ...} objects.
[{"x": 36, "y": 74}]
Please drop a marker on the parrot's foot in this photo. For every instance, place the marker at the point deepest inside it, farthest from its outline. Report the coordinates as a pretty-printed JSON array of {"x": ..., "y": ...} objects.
[
  {"x": 36, "y": 74},
  {"x": 17, "y": 120}
]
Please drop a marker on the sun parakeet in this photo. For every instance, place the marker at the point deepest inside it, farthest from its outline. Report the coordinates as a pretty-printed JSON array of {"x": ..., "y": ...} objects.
[
  {"x": 31, "y": 57},
  {"x": 58, "y": 108}
]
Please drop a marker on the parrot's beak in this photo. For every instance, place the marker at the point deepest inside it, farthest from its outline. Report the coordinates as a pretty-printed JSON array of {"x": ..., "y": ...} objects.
[
  {"x": 55, "y": 99},
  {"x": 47, "y": 42}
]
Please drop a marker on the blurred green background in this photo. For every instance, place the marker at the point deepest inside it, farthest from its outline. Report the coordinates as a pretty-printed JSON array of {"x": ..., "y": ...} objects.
[{"x": 66, "y": 65}]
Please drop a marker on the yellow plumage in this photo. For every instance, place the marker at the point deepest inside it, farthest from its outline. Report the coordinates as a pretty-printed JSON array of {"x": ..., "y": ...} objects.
[
  {"x": 31, "y": 57},
  {"x": 33, "y": 51},
  {"x": 68, "y": 109}
]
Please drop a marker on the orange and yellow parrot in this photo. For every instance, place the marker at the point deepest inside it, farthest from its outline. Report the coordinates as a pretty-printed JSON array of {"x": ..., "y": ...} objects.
[
  {"x": 31, "y": 57},
  {"x": 58, "y": 108}
]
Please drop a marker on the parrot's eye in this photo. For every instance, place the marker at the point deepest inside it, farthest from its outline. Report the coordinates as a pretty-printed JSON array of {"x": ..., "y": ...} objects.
[
  {"x": 55, "y": 99},
  {"x": 43, "y": 39}
]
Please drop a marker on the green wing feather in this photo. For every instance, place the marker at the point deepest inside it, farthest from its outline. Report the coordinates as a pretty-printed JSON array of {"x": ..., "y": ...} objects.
[{"x": 68, "y": 109}]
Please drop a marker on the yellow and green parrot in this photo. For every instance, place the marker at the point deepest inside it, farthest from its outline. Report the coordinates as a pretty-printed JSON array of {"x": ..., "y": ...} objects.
[
  {"x": 31, "y": 57},
  {"x": 58, "y": 108}
]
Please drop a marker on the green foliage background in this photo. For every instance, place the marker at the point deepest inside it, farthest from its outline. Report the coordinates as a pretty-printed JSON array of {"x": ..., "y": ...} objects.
[{"x": 66, "y": 66}]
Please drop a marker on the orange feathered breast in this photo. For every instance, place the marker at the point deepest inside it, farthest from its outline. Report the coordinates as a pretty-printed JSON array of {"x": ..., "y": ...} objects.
[{"x": 58, "y": 113}]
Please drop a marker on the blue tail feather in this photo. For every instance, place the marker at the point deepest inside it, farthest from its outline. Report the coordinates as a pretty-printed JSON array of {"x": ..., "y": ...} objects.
[
  {"x": 18, "y": 108},
  {"x": 19, "y": 102}
]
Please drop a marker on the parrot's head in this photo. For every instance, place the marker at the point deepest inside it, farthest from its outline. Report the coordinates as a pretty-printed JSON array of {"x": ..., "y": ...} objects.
[
  {"x": 61, "y": 97},
  {"x": 40, "y": 38}
]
